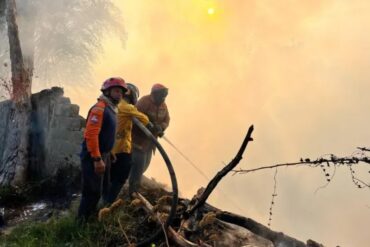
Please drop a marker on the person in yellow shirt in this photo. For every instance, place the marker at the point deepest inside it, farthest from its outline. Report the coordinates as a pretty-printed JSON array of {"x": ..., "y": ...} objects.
[{"x": 121, "y": 165}]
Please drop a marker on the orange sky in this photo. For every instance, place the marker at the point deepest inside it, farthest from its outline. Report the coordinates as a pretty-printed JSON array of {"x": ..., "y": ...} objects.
[{"x": 297, "y": 70}]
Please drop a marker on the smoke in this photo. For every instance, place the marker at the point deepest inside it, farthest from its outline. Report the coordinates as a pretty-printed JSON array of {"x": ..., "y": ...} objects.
[
  {"x": 63, "y": 38},
  {"x": 297, "y": 70}
]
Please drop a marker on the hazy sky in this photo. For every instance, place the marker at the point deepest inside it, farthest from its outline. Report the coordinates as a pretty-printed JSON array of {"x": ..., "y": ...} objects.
[{"x": 296, "y": 69}]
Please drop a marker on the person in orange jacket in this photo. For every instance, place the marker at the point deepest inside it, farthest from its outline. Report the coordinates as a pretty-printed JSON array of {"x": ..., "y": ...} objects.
[
  {"x": 98, "y": 142},
  {"x": 155, "y": 108},
  {"x": 122, "y": 149}
]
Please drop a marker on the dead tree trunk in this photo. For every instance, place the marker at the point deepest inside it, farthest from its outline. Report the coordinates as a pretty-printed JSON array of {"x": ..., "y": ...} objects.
[
  {"x": 28, "y": 48},
  {"x": 20, "y": 78},
  {"x": 15, "y": 157},
  {"x": 277, "y": 238}
]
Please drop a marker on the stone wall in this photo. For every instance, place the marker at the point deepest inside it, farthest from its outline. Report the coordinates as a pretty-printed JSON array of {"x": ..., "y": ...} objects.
[{"x": 56, "y": 133}]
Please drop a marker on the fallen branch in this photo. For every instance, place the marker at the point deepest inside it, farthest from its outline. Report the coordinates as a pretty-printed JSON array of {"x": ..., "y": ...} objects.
[
  {"x": 124, "y": 233},
  {"x": 278, "y": 238},
  {"x": 173, "y": 235},
  {"x": 190, "y": 224},
  {"x": 165, "y": 234},
  {"x": 213, "y": 183}
]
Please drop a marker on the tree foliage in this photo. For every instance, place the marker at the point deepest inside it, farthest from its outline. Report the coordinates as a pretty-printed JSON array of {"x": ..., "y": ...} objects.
[{"x": 63, "y": 38}]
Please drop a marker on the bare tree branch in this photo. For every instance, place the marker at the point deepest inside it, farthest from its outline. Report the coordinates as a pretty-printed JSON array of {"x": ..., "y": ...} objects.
[
  {"x": 213, "y": 183},
  {"x": 332, "y": 160},
  {"x": 243, "y": 171},
  {"x": 364, "y": 149}
]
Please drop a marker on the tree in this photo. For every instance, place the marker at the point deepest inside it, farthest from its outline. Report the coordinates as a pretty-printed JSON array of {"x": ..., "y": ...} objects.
[
  {"x": 4, "y": 82},
  {"x": 15, "y": 156}
]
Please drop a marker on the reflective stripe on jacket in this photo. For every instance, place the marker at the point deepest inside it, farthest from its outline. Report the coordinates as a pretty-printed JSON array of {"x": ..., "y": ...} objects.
[{"x": 100, "y": 130}]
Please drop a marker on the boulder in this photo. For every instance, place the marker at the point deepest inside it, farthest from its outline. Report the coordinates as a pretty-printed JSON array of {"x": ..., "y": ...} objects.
[{"x": 56, "y": 134}]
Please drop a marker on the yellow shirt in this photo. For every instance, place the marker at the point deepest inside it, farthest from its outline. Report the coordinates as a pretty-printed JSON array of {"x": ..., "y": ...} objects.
[{"x": 125, "y": 114}]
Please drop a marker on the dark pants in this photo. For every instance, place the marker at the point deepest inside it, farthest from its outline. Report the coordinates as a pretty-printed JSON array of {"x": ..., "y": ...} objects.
[
  {"x": 120, "y": 170},
  {"x": 140, "y": 163},
  {"x": 93, "y": 185}
]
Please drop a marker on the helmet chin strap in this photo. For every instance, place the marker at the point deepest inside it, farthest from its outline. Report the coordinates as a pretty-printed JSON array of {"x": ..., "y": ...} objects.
[{"x": 114, "y": 101}]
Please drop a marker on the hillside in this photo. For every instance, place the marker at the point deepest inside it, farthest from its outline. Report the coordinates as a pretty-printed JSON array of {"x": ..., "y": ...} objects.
[{"x": 130, "y": 223}]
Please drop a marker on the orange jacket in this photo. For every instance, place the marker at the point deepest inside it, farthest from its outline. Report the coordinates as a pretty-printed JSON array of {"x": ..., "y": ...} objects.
[{"x": 100, "y": 129}]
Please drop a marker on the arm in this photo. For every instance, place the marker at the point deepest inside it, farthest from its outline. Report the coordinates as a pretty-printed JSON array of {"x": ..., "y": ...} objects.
[
  {"x": 93, "y": 127},
  {"x": 139, "y": 115},
  {"x": 166, "y": 121},
  {"x": 131, "y": 111}
]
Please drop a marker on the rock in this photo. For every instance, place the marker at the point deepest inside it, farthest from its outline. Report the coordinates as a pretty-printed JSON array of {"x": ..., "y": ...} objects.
[
  {"x": 67, "y": 123},
  {"x": 56, "y": 134},
  {"x": 68, "y": 110},
  {"x": 64, "y": 100}
]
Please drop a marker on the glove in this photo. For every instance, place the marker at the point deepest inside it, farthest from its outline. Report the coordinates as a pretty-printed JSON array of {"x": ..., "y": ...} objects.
[
  {"x": 157, "y": 129},
  {"x": 150, "y": 126},
  {"x": 161, "y": 134},
  {"x": 99, "y": 167}
]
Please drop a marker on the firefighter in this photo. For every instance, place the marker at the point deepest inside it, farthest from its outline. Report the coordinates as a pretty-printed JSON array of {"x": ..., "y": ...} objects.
[
  {"x": 154, "y": 106},
  {"x": 122, "y": 150},
  {"x": 99, "y": 137}
]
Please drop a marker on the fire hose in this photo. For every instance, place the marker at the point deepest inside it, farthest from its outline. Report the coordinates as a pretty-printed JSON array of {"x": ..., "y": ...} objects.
[{"x": 171, "y": 171}]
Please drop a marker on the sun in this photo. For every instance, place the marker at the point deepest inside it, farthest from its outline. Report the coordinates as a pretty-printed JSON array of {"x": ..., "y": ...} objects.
[{"x": 211, "y": 11}]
